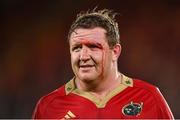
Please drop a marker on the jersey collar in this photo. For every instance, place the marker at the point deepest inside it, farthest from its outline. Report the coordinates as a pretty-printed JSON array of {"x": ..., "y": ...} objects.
[{"x": 70, "y": 86}]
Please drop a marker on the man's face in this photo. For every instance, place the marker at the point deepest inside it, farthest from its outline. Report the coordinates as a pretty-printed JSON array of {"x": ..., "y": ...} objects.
[{"x": 91, "y": 57}]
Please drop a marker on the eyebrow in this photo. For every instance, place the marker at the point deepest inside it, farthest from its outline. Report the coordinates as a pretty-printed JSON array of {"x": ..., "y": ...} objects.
[
  {"x": 88, "y": 43},
  {"x": 96, "y": 44}
]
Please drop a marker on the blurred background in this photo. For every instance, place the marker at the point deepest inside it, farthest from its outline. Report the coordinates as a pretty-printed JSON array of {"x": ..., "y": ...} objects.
[{"x": 34, "y": 53}]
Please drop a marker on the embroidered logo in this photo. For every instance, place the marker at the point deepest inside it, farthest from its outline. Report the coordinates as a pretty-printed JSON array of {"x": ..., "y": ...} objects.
[
  {"x": 132, "y": 109},
  {"x": 69, "y": 115}
]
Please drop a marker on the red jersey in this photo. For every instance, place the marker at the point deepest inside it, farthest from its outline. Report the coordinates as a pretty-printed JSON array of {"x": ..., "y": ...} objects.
[{"x": 131, "y": 99}]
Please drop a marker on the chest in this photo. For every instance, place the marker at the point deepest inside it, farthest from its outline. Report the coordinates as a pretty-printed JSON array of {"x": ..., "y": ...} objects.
[{"x": 120, "y": 106}]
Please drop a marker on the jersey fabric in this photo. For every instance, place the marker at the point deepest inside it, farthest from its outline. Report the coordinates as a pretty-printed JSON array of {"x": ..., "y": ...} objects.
[{"x": 133, "y": 98}]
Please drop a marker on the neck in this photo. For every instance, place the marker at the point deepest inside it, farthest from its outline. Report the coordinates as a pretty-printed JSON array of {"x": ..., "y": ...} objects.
[{"x": 101, "y": 86}]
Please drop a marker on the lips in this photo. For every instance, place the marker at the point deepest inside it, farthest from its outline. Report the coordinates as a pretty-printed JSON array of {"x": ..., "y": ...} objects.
[{"x": 86, "y": 66}]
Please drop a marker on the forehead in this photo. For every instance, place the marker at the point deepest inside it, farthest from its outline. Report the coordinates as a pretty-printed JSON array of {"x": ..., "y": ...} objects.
[{"x": 82, "y": 34}]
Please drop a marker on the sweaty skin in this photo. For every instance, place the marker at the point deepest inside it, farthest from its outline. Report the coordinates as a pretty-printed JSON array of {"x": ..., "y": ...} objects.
[
  {"x": 93, "y": 62},
  {"x": 93, "y": 45}
]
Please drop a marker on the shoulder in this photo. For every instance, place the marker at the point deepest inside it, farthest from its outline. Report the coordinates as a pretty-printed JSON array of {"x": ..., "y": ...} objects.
[
  {"x": 46, "y": 100},
  {"x": 162, "y": 107},
  {"x": 143, "y": 85},
  {"x": 151, "y": 91},
  {"x": 60, "y": 92},
  {"x": 52, "y": 95},
  {"x": 137, "y": 84},
  {"x": 149, "y": 88}
]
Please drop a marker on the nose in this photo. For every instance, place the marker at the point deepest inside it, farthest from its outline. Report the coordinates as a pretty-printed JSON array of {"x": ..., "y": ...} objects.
[{"x": 84, "y": 54}]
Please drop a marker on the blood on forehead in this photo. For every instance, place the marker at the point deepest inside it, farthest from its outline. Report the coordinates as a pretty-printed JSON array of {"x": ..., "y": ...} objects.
[
  {"x": 92, "y": 43},
  {"x": 88, "y": 41}
]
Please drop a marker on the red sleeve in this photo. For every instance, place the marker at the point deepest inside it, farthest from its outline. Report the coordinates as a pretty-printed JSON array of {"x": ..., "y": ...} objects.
[
  {"x": 39, "y": 109},
  {"x": 41, "y": 106},
  {"x": 163, "y": 109}
]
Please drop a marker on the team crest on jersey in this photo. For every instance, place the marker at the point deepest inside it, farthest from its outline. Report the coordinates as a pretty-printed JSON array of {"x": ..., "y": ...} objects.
[{"x": 132, "y": 109}]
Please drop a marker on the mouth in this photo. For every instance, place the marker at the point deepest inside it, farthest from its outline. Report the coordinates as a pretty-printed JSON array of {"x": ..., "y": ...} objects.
[{"x": 86, "y": 66}]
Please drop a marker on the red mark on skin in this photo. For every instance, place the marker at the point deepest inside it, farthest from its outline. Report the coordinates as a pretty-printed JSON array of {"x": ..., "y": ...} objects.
[
  {"x": 91, "y": 44},
  {"x": 98, "y": 45},
  {"x": 103, "y": 63}
]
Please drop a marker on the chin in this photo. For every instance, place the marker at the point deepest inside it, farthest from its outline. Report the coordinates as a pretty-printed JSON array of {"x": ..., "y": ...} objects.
[{"x": 87, "y": 78}]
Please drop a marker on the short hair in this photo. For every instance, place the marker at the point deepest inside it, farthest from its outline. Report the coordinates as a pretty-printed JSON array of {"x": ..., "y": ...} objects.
[{"x": 102, "y": 18}]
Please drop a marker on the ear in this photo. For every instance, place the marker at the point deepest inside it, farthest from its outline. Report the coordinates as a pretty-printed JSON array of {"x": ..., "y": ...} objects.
[{"x": 116, "y": 52}]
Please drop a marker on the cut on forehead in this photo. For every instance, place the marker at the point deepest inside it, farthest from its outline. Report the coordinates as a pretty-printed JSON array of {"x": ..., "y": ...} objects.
[{"x": 89, "y": 36}]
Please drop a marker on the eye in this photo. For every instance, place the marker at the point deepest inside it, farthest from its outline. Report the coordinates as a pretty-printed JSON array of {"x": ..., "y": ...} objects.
[
  {"x": 76, "y": 48},
  {"x": 95, "y": 46}
]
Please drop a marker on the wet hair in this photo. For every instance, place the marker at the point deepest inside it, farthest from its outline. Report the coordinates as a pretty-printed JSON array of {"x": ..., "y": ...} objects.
[{"x": 101, "y": 18}]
